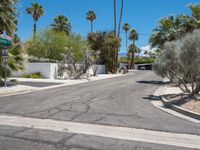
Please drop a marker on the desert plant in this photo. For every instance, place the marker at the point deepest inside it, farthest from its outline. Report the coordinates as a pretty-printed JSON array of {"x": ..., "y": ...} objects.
[{"x": 180, "y": 62}]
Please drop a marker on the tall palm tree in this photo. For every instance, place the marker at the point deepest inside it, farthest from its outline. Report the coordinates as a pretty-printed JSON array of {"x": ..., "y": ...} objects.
[
  {"x": 115, "y": 18},
  {"x": 37, "y": 11},
  {"x": 117, "y": 33},
  {"x": 91, "y": 16},
  {"x": 8, "y": 16},
  {"x": 62, "y": 24},
  {"x": 120, "y": 18},
  {"x": 133, "y": 49},
  {"x": 126, "y": 27}
]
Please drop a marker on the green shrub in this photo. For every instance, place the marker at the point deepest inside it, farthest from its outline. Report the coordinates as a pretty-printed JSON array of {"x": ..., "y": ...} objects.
[
  {"x": 144, "y": 60},
  {"x": 36, "y": 75},
  {"x": 13, "y": 80},
  {"x": 138, "y": 60}
]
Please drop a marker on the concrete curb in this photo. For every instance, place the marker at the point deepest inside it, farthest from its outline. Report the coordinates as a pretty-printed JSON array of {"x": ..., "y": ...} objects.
[{"x": 183, "y": 111}]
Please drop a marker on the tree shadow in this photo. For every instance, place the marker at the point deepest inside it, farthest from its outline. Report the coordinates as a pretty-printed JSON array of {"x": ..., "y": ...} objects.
[
  {"x": 177, "y": 99},
  {"x": 152, "y": 82},
  {"x": 152, "y": 98},
  {"x": 7, "y": 85}
]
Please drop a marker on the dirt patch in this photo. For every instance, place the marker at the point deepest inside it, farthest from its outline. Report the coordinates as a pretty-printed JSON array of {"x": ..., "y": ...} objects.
[
  {"x": 192, "y": 105},
  {"x": 184, "y": 101}
]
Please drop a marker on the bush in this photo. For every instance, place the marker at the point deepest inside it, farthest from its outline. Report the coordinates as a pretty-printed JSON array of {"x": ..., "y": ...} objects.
[
  {"x": 144, "y": 60},
  {"x": 180, "y": 62},
  {"x": 49, "y": 47},
  {"x": 138, "y": 60},
  {"x": 36, "y": 75}
]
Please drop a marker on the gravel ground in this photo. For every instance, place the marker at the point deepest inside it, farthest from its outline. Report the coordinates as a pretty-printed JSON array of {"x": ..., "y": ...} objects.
[{"x": 175, "y": 96}]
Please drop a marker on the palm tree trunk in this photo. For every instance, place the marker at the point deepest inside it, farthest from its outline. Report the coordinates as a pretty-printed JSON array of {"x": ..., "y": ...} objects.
[
  {"x": 126, "y": 43},
  {"x": 114, "y": 69},
  {"x": 115, "y": 28},
  {"x": 91, "y": 26},
  {"x": 34, "y": 30},
  {"x": 120, "y": 19},
  {"x": 132, "y": 61}
]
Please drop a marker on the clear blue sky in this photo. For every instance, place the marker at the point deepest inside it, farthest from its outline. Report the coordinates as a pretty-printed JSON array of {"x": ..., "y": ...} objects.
[{"x": 140, "y": 14}]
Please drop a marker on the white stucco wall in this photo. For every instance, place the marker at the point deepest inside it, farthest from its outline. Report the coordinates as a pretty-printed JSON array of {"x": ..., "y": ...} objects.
[
  {"x": 49, "y": 70},
  {"x": 101, "y": 69}
]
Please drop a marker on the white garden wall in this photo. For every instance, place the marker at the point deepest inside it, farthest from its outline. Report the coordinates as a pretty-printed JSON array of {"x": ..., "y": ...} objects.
[{"x": 49, "y": 70}]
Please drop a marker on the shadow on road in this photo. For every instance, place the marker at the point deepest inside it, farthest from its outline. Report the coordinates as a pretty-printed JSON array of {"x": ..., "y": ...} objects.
[
  {"x": 152, "y": 98},
  {"x": 152, "y": 82}
]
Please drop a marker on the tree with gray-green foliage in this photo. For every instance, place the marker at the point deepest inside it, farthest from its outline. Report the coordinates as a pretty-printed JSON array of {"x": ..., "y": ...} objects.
[
  {"x": 180, "y": 62},
  {"x": 78, "y": 57},
  {"x": 61, "y": 24},
  {"x": 37, "y": 11},
  {"x": 167, "y": 60},
  {"x": 8, "y": 16},
  {"x": 49, "y": 47}
]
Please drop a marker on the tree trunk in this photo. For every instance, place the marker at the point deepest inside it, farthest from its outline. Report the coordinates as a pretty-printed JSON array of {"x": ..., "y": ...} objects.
[
  {"x": 115, "y": 29},
  {"x": 91, "y": 26},
  {"x": 126, "y": 44},
  {"x": 197, "y": 89},
  {"x": 34, "y": 30},
  {"x": 120, "y": 19},
  {"x": 114, "y": 69},
  {"x": 132, "y": 61}
]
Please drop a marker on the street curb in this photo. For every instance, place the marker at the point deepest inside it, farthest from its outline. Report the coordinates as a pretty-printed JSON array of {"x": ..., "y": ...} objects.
[{"x": 183, "y": 111}]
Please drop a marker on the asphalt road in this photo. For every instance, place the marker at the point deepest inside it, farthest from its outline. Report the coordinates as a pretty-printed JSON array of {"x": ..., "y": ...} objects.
[{"x": 122, "y": 101}]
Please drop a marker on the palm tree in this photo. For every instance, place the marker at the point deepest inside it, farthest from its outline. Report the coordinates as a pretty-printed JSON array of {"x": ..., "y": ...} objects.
[
  {"x": 132, "y": 48},
  {"x": 37, "y": 11},
  {"x": 62, "y": 24},
  {"x": 15, "y": 58},
  {"x": 169, "y": 29},
  {"x": 91, "y": 16},
  {"x": 126, "y": 27},
  {"x": 115, "y": 18},
  {"x": 120, "y": 18},
  {"x": 117, "y": 33},
  {"x": 8, "y": 16}
]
